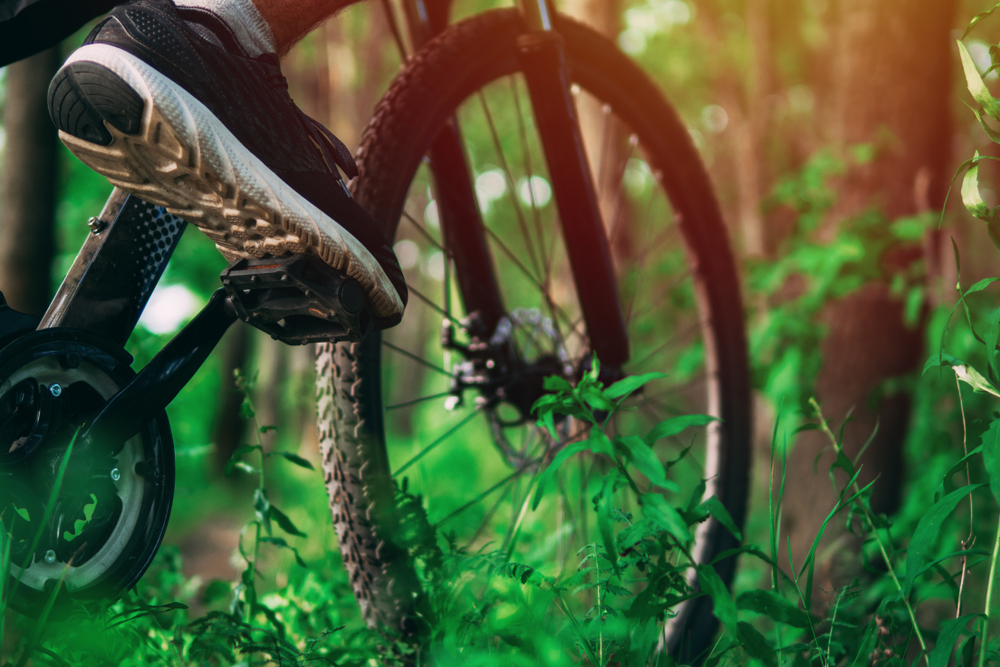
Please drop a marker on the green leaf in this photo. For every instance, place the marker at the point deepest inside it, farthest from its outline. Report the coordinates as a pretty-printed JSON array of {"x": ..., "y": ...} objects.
[
  {"x": 992, "y": 337},
  {"x": 262, "y": 508},
  {"x": 595, "y": 398},
  {"x": 950, "y": 631},
  {"x": 553, "y": 468},
  {"x": 237, "y": 455},
  {"x": 976, "y": 86},
  {"x": 981, "y": 285},
  {"x": 756, "y": 645},
  {"x": 297, "y": 460},
  {"x": 284, "y": 522},
  {"x": 599, "y": 443},
  {"x": 525, "y": 574},
  {"x": 723, "y": 606},
  {"x": 216, "y": 590},
  {"x": 281, "y": 543},
  {"x": 556, "y": 383},
  {"x": 935, "y": 361},
  {"x": 775, "y": 607},
  {"x": 595, "y": 369},
  {"x": 675, "y": 425},
  {"x": 721, "y": 514},
  {"x": 626, "y": 386},
  {"x": 972, "y": 377},
  {"x": 990, "y": 132},
  {"x": 245, "y": 467},
  {"x": 970, "y": 194},
  {"x": 925, "y": 536},
  {"x": 548, "y": 422},
  {"x": 663, "y": 514},
  {"x": 605, "y": 522},
  {"x": 632, "y": 535},
  {"x": 979, "y": 17},
  {"x": 991, "y": 456},
  {"x": 808, "y": 565},
  {"x": 645, "y": 461},
  {"x": 946, "y": 485},
  {"x": 936, "y": 563}
]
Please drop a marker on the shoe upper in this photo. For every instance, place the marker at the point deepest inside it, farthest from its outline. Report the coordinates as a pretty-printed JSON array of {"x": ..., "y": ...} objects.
[{"x": 250, "y": 97}]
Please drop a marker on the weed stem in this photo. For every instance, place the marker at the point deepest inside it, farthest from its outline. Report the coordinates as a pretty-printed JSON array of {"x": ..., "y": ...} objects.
[
  {"x": 989, "y": 598},
  {"x": 878, "y": 538}
]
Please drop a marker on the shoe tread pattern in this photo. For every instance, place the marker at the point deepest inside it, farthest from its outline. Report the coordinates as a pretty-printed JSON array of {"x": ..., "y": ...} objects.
[{"x": 178, "y": 160}]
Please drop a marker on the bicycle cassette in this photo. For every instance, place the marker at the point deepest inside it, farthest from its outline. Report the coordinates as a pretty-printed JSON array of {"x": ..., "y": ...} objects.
[
  {"x": 298, "y": 299},
  {"x": 83, "y": 520}
]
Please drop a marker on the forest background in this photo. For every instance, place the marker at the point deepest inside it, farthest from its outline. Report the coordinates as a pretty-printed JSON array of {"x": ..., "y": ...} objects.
[{"x": 831, "y": 129}]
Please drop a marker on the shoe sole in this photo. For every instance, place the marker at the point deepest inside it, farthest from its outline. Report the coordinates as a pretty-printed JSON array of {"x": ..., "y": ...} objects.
[{"x": 150, "y": 137}]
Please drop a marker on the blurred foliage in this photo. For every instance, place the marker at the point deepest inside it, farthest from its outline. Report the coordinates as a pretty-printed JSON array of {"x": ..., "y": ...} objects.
[{"x": 493, "y": 609}]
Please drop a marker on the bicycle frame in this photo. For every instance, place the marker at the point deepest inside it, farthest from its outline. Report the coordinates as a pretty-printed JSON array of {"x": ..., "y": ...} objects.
[
  {"x": 583, "y": 229},
  {"x": 131, "y": 242}
]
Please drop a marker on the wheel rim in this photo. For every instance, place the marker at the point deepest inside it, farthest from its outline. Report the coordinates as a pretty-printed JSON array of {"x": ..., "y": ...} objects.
[
  {"x": 388, "y": 159},
  {"x": 532, "y": 266}
]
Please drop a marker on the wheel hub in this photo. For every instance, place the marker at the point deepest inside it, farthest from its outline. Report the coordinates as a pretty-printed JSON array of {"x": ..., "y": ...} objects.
[{"x": 511, "y": 365}]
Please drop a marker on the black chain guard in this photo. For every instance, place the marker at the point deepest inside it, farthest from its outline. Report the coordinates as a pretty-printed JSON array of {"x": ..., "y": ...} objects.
[{"x": 110, "y": 512}]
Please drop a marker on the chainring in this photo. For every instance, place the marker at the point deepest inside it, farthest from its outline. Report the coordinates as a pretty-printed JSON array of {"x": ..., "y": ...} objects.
[{"x": 85, "y": 529}]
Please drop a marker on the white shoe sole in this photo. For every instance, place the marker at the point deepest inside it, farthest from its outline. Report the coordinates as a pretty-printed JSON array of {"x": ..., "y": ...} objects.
[{"x": 185, "y": 159}]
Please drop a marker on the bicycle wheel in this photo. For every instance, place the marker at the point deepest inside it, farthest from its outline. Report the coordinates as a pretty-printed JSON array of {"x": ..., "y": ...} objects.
[{"x": 677, "y": 283}]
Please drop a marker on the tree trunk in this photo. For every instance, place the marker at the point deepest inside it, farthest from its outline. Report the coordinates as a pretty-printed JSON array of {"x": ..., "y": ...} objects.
[
  {"x": 891, "y": 79},
  {"x": 748, "y": 107},
  {"x": 28, "y": 187}
]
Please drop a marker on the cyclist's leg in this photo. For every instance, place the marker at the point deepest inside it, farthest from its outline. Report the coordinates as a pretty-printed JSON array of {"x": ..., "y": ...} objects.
[
  {"x": 290, "y": 20},
  {"x": 185, "y": 106}
]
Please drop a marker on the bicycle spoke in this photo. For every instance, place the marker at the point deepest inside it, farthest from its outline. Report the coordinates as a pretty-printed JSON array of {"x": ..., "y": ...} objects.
[
  {"x": 642, "y": 260},
  {"x": 429, "y": 448},
  {"x": 665, "y": 290},
  {"x": 510, "y": 182},
  {"x": 546, "y": 254},
  {"x": 605, "y": 148},
  {"x": 433, "y": 305},
  {"x": 492, "y": 511},
  {"x": 666, "y": 346},
  {"x": 416, "y": 401},
  {"x": 657, "y": 408},
  {"x": 523, "y": 134},
  {"x": 426, "y": 234},
  {"x": 415, "y": 358},
  {"x": 517, "y": 262},
  {"x": 679, "y": 388},
  {"x": 620, "y": 195},
  {"x": 508, "y": 479}
]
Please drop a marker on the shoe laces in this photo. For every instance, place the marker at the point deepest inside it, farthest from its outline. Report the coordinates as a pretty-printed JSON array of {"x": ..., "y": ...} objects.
[{"x": 273, "y": 77}]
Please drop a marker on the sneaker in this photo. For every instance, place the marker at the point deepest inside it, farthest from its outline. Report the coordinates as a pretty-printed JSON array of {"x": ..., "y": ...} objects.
[{"x": 176, "y": 113}]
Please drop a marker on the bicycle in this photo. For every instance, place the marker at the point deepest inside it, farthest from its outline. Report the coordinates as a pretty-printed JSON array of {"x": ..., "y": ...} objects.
[{"x": 519, "y": 302}]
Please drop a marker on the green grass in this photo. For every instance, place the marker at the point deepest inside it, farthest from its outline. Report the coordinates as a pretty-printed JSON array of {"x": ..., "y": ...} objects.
[{"x": 490, "y": 607}]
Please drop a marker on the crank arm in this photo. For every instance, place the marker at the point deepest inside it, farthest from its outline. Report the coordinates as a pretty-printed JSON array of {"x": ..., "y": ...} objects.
[{"x": 161, "y": 380}]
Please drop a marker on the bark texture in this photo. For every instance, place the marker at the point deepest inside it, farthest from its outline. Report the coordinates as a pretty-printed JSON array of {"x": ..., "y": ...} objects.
[
  {"x": 28, "y": 186},
  {"x": 891, "y": 83}
]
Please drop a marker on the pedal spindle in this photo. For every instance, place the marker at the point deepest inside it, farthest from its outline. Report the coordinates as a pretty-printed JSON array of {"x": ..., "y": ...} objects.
[{"x": 298, "y": 299}]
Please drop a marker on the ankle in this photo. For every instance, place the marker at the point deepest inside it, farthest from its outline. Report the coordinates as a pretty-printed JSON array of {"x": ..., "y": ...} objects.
[{"x": 232, "y": 22}]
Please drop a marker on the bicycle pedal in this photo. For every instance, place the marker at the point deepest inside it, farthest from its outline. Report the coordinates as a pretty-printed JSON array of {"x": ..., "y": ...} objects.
[{"x": 298, "y": 299}]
